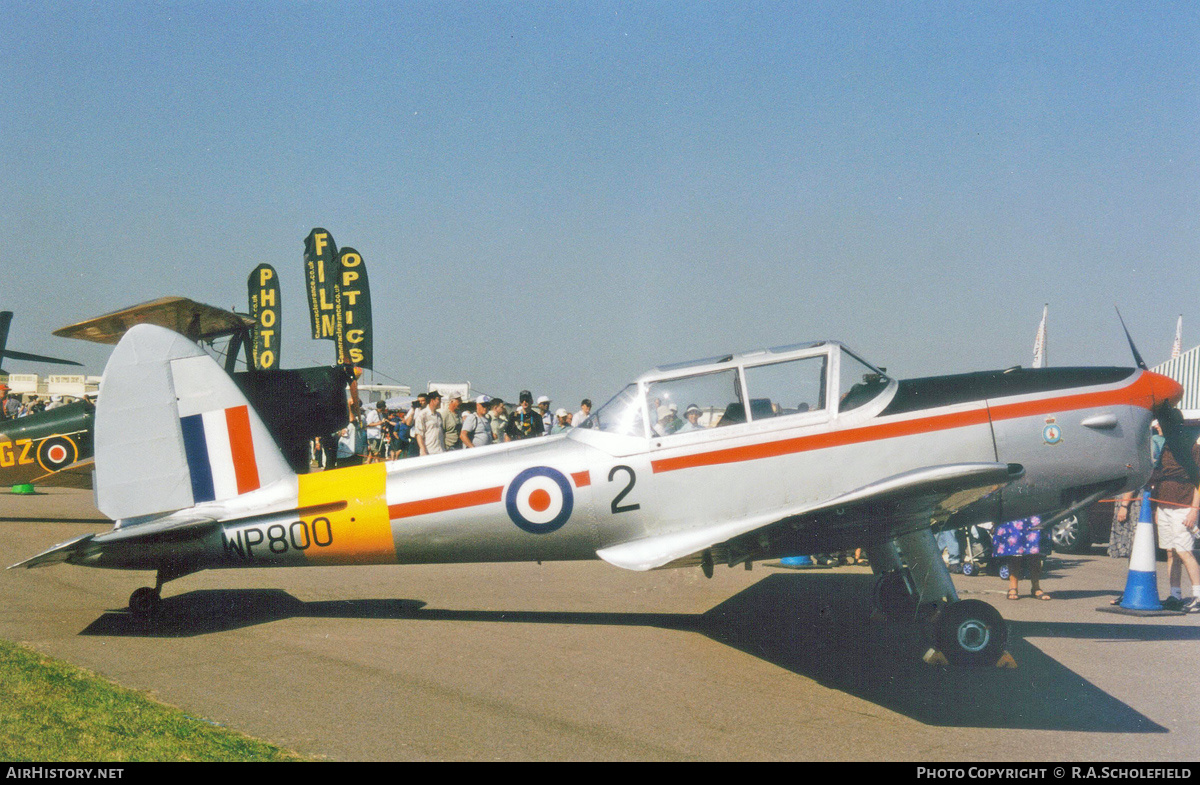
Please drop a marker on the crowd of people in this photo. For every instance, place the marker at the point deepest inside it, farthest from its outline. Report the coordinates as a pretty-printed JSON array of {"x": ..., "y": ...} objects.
[
  {"x": 12, "y": 405},
  {"x": 431, "y": 426}
]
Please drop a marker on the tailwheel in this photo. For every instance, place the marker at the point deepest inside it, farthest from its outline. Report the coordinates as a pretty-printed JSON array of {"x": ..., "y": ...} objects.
[
  {"x": 970, "y": 632},
  {"x": 145, "y": 602}
]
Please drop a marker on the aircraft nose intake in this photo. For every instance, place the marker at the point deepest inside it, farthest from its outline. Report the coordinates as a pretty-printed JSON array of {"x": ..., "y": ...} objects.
[{"x": 1164, "y": 389}]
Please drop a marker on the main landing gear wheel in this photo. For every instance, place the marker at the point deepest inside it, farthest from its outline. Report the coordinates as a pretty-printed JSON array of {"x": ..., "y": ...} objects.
[
  {"x": 970, "y": 632},
  {"x": 145, "y": 603}
]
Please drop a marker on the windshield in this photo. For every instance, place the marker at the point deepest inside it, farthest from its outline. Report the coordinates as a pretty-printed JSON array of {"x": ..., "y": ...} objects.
[
  {"x": 860, "y": 382},
  {"x": 623, "y": 414}
]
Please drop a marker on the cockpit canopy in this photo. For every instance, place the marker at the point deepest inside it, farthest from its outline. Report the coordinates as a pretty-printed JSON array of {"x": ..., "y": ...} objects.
[{"x": 805, "y": 382}]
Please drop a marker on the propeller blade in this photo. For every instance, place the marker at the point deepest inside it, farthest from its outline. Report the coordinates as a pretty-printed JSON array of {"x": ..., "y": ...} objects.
[
  {"x": 15, "y": 355},
  {"x": 1137, "y": 357},
  {"x": 1178, "y": 440}
]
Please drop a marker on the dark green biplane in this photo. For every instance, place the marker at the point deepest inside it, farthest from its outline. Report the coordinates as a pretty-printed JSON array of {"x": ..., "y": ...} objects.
[{"x": 54, "y": 448}]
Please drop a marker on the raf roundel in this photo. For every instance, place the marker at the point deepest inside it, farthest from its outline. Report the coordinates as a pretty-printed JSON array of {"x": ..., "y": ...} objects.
[
  {"x": 539, "y": 500},
  {"x": 57, "y": 452}
]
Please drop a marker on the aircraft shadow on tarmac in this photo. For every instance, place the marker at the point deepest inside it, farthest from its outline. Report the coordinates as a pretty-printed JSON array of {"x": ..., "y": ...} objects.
[{"x": 815, "y": 625}]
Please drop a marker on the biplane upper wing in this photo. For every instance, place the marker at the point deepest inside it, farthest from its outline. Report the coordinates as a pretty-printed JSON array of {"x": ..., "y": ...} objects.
[
  {"x": 905, "y": 501},
  {"x": 194, "y": 320}
]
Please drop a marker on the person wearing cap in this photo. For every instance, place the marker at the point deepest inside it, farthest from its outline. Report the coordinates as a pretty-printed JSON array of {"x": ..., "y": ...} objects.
[
  {"x": 662, "y": 419},
  {"x": 525, "y": 422},
  {"x": 453, "y": 423},
  {"x": 668, "y": 421},
  {"x": 543, "y": 404},
  {"x": 429, "y": 426},
  {"x": 692, "y": 415},
  {"x": 476, "y": 430},
  {"x": 35, "y": 406},
  {"x": 562, "y": 422}
]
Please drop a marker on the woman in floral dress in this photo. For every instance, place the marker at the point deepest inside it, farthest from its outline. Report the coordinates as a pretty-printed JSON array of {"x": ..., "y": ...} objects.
[{"x": 1020, "y": 542}]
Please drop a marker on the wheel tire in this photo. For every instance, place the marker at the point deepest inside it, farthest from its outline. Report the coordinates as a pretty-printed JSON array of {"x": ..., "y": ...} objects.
[
  {"x": 1071, "y": 535},
  {"x": 892, "y": 597},
  {"x": 1005, "y": 571},
  {"x": 971, "y": 632},
  {"x": 145, "y": 603},
  {"x": 969, "y": 569}
]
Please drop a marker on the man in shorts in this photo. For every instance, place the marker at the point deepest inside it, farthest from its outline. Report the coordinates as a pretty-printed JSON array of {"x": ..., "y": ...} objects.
[
  {"x": 1175, "y": 519},
  {"x": 374, "y": 420}
]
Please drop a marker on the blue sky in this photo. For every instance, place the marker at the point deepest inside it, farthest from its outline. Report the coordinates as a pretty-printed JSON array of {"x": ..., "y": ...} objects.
[{"x": 556, "y": 196}]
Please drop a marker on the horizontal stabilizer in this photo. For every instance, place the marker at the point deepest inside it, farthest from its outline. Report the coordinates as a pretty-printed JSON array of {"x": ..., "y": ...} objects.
[
  {"x": 911, "y": 499},
  {"x": 57, "y": 554},
  {"x": 176, "y": 524}
]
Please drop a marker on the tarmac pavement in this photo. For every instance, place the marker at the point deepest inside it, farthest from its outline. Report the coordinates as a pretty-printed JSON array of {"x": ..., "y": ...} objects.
[{"x": 584, "y": 661}]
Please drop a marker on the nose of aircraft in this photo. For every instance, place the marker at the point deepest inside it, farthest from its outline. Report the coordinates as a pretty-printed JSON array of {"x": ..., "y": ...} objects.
[{"x": 1164, "y": 389}]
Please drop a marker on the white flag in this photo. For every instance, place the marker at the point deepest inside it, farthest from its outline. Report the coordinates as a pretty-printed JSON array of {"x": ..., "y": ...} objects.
[
  {"x": 1039, "y": 343},
  {"x": 1178, "y": 345}
]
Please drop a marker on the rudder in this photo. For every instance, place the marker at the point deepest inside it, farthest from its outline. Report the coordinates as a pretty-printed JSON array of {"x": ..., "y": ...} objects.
[{"x": 174, "y": 431}]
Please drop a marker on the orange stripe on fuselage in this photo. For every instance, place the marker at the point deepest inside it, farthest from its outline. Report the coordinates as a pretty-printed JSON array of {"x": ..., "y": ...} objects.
[
  {"x": 455, "y": 501},
  {"x": 1140, "y": 393},
  {"x": 460, "y": 501}
]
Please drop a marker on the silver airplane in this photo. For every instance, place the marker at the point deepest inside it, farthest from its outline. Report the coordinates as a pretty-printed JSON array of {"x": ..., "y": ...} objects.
[{"x": 728, "y": 460}]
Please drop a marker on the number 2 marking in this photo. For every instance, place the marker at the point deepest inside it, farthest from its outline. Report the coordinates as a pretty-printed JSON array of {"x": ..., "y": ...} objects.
[{"x": 616, "y": 503}]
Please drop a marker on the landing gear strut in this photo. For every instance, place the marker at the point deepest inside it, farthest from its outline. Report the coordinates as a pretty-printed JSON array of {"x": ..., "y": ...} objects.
[
  {"x": 913, "y": 579},
  {"x": 894, "y": 596},
  {"x": 146, "y": 602}
]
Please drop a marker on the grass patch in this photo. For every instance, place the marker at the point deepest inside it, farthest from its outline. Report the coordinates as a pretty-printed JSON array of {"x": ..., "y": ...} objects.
[{"x": 53, "y": 711}]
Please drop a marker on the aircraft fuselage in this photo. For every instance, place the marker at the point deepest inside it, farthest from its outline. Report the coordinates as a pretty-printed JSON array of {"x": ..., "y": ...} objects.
[{"x": 567, "y": 497}]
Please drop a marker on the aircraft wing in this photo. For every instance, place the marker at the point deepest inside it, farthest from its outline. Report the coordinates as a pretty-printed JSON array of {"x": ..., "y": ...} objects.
[
  {"x": 907, "y": 501},
  {"x": 77, "y": 475},
  {"x": 194, "y": 320}
]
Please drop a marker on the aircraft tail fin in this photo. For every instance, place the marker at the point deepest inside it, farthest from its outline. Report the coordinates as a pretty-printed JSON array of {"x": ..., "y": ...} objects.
[{"x": 174, "y": 431}]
